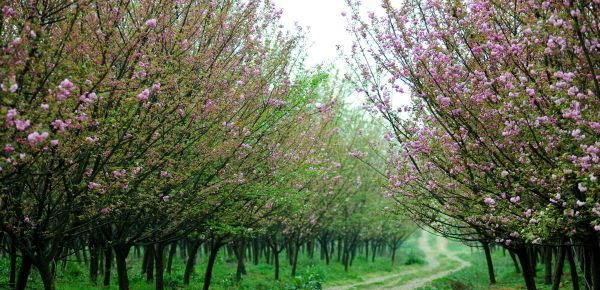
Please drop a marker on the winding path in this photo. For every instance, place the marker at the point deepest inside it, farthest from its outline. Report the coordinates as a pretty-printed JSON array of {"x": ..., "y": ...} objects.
[{"x": 432, "y": 256}]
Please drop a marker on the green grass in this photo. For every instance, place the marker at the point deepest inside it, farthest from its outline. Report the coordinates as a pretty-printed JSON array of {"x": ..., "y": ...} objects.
[
  {"x": 74, "y": 276},
  {"x": 475, "y": 277}
]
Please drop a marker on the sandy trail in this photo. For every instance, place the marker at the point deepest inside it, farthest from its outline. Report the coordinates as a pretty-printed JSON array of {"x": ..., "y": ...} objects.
[{"x": 432, "y": 254}]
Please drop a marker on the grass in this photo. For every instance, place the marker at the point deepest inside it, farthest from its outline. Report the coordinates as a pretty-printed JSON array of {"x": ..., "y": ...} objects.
[
  {"x": 311, "y": 272},
  {"x": 475, "y": 277}
]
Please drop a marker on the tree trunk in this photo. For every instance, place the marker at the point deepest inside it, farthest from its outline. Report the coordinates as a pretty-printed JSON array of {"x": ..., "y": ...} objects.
[
  {"x": 172, "y": 252},
  {"x": 515, "y": 262},
  {"x": 240, "y": 250},
  {"x": 191, "y": 261},
  {"x": 373, "y": 251},
  {"x": 558, "y": 272},
  {"x": 46, "y": 275},
  {"x": 276, "y": 262},
  {"x": 295, "y": 258},
  {"x": 367, "y": 250},
  {"x": 573, "y": 269},
  {"x": 595, "y": 262},
  {"x": 211, "y": 263},
  {"x": 488, "y": 260},
  {"x": 548, "y": 265},
  {"x": 108, "y": 257},
  {"x": 121, "y": 252},
  {"x": 24, "y": 272},
  {"x": 94, "y": 262},
  {"x": 149, "y": 252},
  {"x": 256, "y": 251},
  {"x": 524, "y": 258},
  {"x": 393, "y": 254},
  {"x": 12, "y": 276},
  {"x": 159, "y": 250}
]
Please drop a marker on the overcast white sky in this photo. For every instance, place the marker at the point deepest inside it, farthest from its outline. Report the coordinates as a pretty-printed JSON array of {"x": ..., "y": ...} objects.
[
  {"x": 326, "y": 30},
  {"x": 327, "y": 25}
]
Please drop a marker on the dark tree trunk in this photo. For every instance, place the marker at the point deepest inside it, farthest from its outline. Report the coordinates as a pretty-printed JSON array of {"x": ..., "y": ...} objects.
[
  {"x": 256, "y": 251},
  {"x": 172, "y": 252},
  {"x": 533, "y": 259},
  {"x": 339, "y": 250},
  {"x": 488, "y": 260},
  {"x": 295, "y": 250},
  {"x": 240, "y": 250},
  {"x": 524, "y": 258},
  {"x": 24, "y": 272},
  {"x": 558, "y": 272},
  {"x": 12, "y": 276},
  {"x": 46, "y": 275},
  {"x": 149, "y": 252},
  {"x": 515, "y": 262},
  {"x": 121, "y": 253},
  {"x": 548, "y": 265},
  {"x": 94, "y": 262},
  {"x": 212, "y": 257},
  {"x": 374, "y": 251},
  {"x": 191, "y": 261},
  {"x": 159, "y": 250},
  {"x": 367, "y": 250},
  {"x": 573, "y": 269},
  {"x": 276, "y": 262},
  {"x": 595, "y": 262},
  {"x": 108, "y": 257}
]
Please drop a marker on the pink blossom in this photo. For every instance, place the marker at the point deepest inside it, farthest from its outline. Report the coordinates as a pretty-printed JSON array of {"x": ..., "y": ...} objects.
[
  {"x": 151, "y": 23},
  {"x": 13, "y": 88},
  {"x": 8, "y": 148},
  {"x": 65, "y": 89},
  {"x": 88, "y": 98},
  {"x": 54, "y": 142},
  {"x": 92, "y": 139},
  {"x": 276, "y": 102},
  {"x": 164, "y": 174},
  {"x": 67, "y": 84},
  {"x": 11, "y": 114},
  {"x": 8, "y": 12},
  {"x": 35, "y": 137},
  {"x": 143, "y": 96},
  {"x": 156, "y": 87},
  {"x": 59, "y": 125},
  {"x": 105, "y": 210},
  {"x": 489, "y": 201},
  {"x": 45, "y": 106},
  {"x": 357, "y": 154},
  {"x": 93, "y": 185},
  {"x": 444, "y": 101},
  {"x": 22, "y": 125},
  {"x": 597, "y": 228},
  {"x": 164, "y": 198}
]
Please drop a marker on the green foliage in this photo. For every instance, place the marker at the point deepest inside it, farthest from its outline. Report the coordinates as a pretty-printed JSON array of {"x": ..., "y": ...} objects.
[{"x": 414, "y": 259}]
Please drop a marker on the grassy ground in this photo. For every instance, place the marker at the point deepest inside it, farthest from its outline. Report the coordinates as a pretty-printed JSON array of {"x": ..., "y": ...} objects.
[
  {"x": 475, "y": 277},
  {"x": 310, "y": 273}
]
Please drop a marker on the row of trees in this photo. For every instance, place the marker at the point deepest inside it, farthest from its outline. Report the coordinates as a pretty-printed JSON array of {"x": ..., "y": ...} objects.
[
  {"x": 153, "y": 124},
  {"x": 500, "y": 141}
]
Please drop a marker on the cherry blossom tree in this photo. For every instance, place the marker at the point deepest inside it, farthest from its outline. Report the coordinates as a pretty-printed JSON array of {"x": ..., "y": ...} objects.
[{"x": 500, "y": 140}]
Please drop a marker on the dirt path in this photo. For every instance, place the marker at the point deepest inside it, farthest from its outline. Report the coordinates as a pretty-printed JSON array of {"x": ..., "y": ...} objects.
[{"x": 432, "y": 263}]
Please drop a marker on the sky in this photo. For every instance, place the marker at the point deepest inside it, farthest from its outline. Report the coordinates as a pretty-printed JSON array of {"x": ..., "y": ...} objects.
[
  {"x": 327, "y": 26},
  {"x": 325, "y": 29}
]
